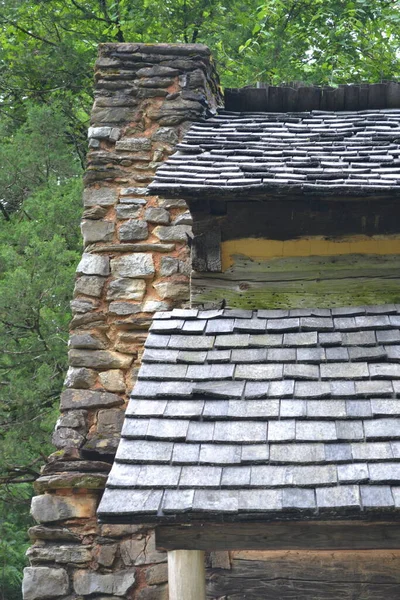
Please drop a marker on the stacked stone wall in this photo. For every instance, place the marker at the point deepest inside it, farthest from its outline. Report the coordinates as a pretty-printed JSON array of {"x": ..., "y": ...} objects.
[{"x": 135, "y": 261}]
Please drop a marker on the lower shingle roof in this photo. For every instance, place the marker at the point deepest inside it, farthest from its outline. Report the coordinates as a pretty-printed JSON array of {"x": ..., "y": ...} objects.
[{"x": 266, "y": 413}]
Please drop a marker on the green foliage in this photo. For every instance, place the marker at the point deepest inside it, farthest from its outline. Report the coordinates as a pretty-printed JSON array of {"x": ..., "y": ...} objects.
[
  {"x": 325, "y": 41},
  {"x": 47, "y": 51}
]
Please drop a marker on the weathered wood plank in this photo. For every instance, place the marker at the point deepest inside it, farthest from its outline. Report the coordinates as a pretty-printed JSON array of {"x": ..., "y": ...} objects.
[
  {"x": 258, "y": 99},
  {"x": 373, "y": 566},
  {"x": 308, "y": 590},
  {"x": 295, "y": 294},
  {"x": 309, "y": 575},
  {"x": 301, "y": 281},
  {"x": 294, "y": 535}
]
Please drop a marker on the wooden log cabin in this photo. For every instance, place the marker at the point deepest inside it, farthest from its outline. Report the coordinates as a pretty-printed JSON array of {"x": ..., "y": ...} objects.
[
  {"x": 265, "y": 417},
  {"x": 259, "y": 239}
]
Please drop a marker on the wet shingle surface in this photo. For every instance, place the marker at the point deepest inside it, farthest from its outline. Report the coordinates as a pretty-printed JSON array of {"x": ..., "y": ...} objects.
[
  {"x": 349, "y": 153},
  {"x": 273, "y": 427}
]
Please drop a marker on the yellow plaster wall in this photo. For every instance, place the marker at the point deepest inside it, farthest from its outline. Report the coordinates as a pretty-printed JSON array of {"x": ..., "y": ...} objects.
[{"x": 261, "y": 249}]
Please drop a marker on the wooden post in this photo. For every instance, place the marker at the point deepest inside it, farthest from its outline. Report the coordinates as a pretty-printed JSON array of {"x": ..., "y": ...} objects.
[{"x": 186, "y": 575}]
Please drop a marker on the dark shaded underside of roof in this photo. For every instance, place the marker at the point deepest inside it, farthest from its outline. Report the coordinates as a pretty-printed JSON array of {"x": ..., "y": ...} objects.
[
  {"x": 268, "y": 414},
  {"x": 325, "y": 153}
]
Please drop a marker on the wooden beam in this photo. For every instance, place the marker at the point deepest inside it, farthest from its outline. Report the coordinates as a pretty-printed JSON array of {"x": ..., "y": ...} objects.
[
  {"x": 305, "y": 575},
  {"x": 294, "y": 535},
  {"x": 186, "y": 575}
]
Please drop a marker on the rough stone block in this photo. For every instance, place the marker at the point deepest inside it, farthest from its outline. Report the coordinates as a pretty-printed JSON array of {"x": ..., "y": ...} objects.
[
  {"x": 113, "y": 380},
  {"x": 172, "y": 290},
  {"x": 127, "y": 289},
  {"x": 157, "y": 574},
  {"x": 168, "y": 266},
  {"x": 93, "y": 264},
  {"x": 92, "y": 582},
  {"x": 99, "y": 359},
  {"x": 157, "y": 215},
  {"x": 105, "y": 554},
  {"x": 184, "y": 219},
  {"x": 88, "y": 399},
  {"x": 67, "y": 438},
  {"x": 47, "y": 508},
  {"x": 97, "y": 231},
  {"x": 90, "y": 286},
  {"x": 135, "y": 265},
  {"x": 154, "y": 305},
  {"x": 100, "y": 196},
  {"x": 80, "y": 378},
  {"x": 131, "y": 550},
  {"x": 153, "y": 592},
  {"x": 110, "y": 421},
  {"x": 68, "y": 553},
  {"x": 124, "y": 308},
  {"x": 128, "y": 211},
  {"x": 83, "y": 306},
  {"x": 44, "y": 582},
  {"x": 86, "y": 340},
  {"x": 133, "y": 144},
  {"x": 133, "y": 230},
  {"x": 174, "y": 233}
]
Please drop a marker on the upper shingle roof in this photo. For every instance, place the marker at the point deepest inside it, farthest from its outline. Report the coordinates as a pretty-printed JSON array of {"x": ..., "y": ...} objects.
[
  {"x": 337, "y": 153},
  {"x": 269, "y": 413}
]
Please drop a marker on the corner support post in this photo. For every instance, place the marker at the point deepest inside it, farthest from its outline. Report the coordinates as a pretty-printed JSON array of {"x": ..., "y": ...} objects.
[{"x": 186, "y": 575}]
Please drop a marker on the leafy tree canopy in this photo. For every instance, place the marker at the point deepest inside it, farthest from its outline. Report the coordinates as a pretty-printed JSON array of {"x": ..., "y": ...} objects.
[{"x": 47, "y": 52}]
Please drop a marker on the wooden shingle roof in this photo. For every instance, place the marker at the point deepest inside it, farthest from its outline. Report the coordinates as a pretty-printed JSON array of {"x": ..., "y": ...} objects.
[
  {"x": 268, "y": 413},
  {"x": 328, "y": 153}
]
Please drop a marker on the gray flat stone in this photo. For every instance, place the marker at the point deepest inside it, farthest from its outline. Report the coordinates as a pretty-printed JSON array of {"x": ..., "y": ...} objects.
[
  {"x": 318, "y": 431},
  {"x": 330, "y": 339},
  {"x": 97, "y": 231},
  {"x": 92, "y": 264},
  {"x": 293, "y": 408},
  {"x": 282, "y": 431},
  {"x": 376, "y": 496},
  {"x": 281, "y": 389},
  {"x": 235, "y": 477},
  {"x": 177, "y": 501},
  {"x": 308, "y": 338},
  {"x": 136, "y": 265},
  {"x": 144, "y": 451},
  {"x": 384, "y": 472},
  {"x": 100, "y": 196},
  {"x": 359, "y": 338},
  {"x": 349, "y": 430},
  {"x": 376, "y": 388},
  {"x": 240, "y": 431},
  {"x": 297, "y": 453},
  {"x": 353, "y": 473},
  {"x": 382, "y": 428},
  {"x": 186, "y": 453},
  {"x": 344, "y": 496},
  {"x": 258, "y": 372},
  {"x": 255, "y": 453},
  {"x": 201, "y": 476},
  {"x": 344, "y": 371},
  {"x": 73, "y": 399},
  {"x": 133, "y": 230},
  {"x": 301, "y": 371},
  {"x": 259, "y": 500},
  {"x": 220, "y": 454},
  {"x": 44, "y": 582},
  {"x": 338, "y": 452},
  {"x": 91, "y": 582},
  {"x": 312, "y": 475},
  {"x": 298, "y": 498}
]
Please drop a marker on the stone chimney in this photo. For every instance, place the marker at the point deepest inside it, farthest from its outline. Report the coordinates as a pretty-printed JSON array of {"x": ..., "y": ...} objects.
[{"x": 135, "y": 262}]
